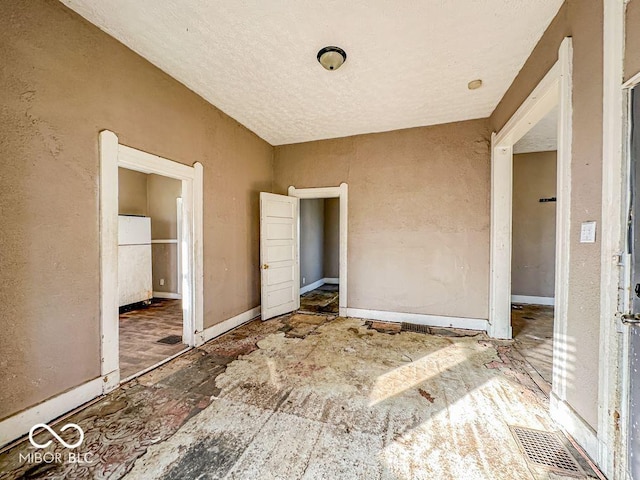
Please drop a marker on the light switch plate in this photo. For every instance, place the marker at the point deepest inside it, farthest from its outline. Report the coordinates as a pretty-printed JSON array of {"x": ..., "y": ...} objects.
[{"x": 588, "y": 232}]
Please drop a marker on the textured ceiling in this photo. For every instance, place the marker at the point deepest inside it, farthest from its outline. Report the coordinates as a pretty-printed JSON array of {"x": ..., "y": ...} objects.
[
  {"x": 543, "y": 136},
  {"x": 408, "y": 62}
]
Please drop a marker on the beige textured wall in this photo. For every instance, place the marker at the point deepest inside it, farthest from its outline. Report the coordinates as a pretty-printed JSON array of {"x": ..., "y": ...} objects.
[
  {"x": 164, "y": 260},
  {"x": 332, "y": 237},
  {"x": 534, "y": 224},
  {"x": 418, "y": 214},
  {"x": 582, "y": 20},
  {"x": 132, "y": 192},
  {"x": 62, "y": 81},
  {"x": 632, "y": 41},
  {"x": 162, "y": 193},
  {"x": 311, "y": 240}
]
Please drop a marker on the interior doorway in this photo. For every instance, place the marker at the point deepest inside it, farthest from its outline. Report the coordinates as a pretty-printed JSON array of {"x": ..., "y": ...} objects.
[
  {"x": 324, "y": 291},
  {"x": 165, "y": 302},
  {"x": 319, "y": 255},
  {"x": 555, "y": 89},
  {"x": 151, "y": 320},
  {"x": 534, "y": 245}
]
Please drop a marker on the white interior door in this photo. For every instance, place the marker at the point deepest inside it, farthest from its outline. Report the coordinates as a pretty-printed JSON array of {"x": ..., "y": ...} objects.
[{"x": 279, "y": 254}]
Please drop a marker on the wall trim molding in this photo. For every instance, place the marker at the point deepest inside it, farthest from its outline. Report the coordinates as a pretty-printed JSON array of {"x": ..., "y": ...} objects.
[
  {"x": 312, "y": 286},
  {"x": 229, "y": 324},
  {"x": 18, "y": 425},
  {"x": 420, "y": 319},
  {"x": 532, "y": 300},
  {"x": 172, "y": 295},
  {"x": 331, "y": 281},
  {"x": 574, "y": 425}
]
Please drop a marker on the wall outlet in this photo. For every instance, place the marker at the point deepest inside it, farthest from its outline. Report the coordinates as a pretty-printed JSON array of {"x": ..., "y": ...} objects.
[
  {"x": 162, "y": 282},
  {"x": 304, "y": 281}
]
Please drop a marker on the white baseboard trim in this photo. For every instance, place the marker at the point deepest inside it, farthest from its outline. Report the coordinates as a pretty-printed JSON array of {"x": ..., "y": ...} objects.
[
  {"x": 562, "y": 413},
  {"x": 175, "y": 296},
  {"x": 19, "y": 424},
  {"x": 420, "y": 319},
  {"x": 312, "y": 286},
  {"x": 332, "y": 281},
  {"x": 530, "y": 300},
  {"x": 223, "y": 327}
]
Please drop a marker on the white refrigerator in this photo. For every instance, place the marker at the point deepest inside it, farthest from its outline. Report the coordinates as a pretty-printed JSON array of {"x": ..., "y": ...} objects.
[{"x": 135, "y": 282}]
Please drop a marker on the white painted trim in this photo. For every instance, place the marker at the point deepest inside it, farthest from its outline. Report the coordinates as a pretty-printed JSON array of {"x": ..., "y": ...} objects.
[
  {"x": 611, "y": 454},
  {"x": 341, "y": 192},
  {"x": 179, "y": 215},
  {"x": 563, "y": 221},
  {"x": 332, "y": 280},
  {"x": 144, "y": 162},
  {"x": 419, "y": 319},
  {"x": 165, "y": 240},
  {"x": 112, "y": 156},
  {"x": 19, "y": 424},
  {"x": 320, "y": 192},
  {"x": 540, "y": 102},
  {"x": 171, "y": 295},
  {"x": 632, "y": 82},
  {"x": 532, "y": 300},
  {"x": 312, "y": 286},
  {"x": 109, "y": 310},
  {"x": 500, "y": 246},
  {"x": 198, "y": 249},
  {"x": 223, "y": 327},
  {"x": 562, "y": 413}
]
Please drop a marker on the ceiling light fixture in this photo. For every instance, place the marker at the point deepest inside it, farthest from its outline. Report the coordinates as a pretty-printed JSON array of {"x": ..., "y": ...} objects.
[
  {"x": 331, "y": 58},
  {"x": 474, "y": 84}
]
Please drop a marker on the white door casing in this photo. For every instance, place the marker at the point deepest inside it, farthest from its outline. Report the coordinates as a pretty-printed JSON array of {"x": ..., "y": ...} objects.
[
  {"x": 279, "y": 270},
  {"x": 112, "y": 156},
  {"x": 341, "y": 193}
]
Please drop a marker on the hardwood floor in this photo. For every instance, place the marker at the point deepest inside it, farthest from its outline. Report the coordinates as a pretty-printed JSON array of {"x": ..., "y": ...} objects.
[{"x": 140, "y": 331}]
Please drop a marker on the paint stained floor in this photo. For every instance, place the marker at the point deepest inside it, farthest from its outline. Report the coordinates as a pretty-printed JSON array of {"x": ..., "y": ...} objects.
[
  {"x": 140, "y": 331},
  {"x": 533, "y": 334},
  {"x": 323, "y": 299},
  {"x": 313, "y": 397}
]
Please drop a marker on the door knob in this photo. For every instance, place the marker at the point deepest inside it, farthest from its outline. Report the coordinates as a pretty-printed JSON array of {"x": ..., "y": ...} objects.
[{"x": 265, "y": 266}]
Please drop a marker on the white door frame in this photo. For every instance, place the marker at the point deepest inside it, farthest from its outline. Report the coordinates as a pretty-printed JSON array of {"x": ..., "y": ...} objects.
[
  {"x": 615, "y": 286},
  {"x": 554, "y": 89},
  {"x": 340, "y": 192},
  {"x": 114, "y": 155}
]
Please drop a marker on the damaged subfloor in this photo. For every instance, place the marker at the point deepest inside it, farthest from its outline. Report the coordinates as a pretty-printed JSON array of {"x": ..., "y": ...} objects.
[
  {"x": 323, "y": 299},
  {"x": 308, "y": 396}
]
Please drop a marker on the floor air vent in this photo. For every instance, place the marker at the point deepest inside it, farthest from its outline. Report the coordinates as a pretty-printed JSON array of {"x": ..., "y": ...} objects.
[
  {"x": 414, "y": 327},
  {"x": 171, "y": 339},
  {"x": 546, "y": 450}
]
